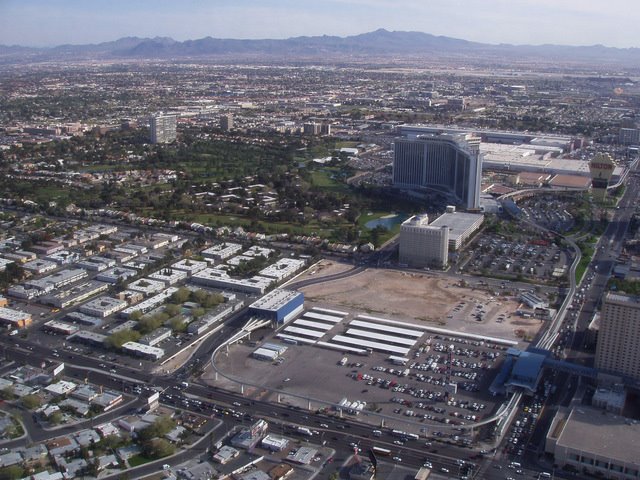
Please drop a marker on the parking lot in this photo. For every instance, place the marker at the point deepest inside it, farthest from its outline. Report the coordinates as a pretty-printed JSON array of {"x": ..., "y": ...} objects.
[
  {"x": 441, "y": 384},
  {"x": 539, "y": 260},
  {"x": 553, "y": 212}
]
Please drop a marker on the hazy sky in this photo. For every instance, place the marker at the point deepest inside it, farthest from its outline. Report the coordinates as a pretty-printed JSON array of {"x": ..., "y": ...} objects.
[{"x": 571, "y": 22}]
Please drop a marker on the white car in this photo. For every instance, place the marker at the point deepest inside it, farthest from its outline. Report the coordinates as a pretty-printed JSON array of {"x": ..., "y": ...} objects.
[{"x": 397, "y": 459}]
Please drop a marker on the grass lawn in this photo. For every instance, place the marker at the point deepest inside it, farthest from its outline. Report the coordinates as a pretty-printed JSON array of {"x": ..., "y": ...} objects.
[
  {"x": 346, "y": 144},
  {"x": 139, "y": 460},
  {"x": 587, "y": 254},
  {"x": 322, "y": 179},
  {"x": 105, "y": 167},
  {"x": 313, "y": 228}
]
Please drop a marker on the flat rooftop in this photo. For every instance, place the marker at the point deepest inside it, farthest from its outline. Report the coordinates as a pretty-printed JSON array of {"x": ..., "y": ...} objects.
[
  {"x": 275, "y": 299},
  {"x": 602, "y": 434},
  {"x": 458, "y": 222},
  {"x": 621, "y": 299}
]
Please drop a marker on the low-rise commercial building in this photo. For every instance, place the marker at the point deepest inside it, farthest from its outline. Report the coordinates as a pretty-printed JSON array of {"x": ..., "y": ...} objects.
[
  {"x": 61, "y": 388},
  {"x": 595, "y": 442},
  {"x": 283, "y": 268},
  {"x": 83, "y": 319},
  {"x": 150, "y": 303},
  {"x": 144, "y": 351},
  {"x": 461, "y": 226},
  {"x": 214, "y": 277},
  {"x": 40, "y": 266},
  {"x": 169, "y": 276},
  {"x": 155, "y": 337},
  {"x": 89, "y": 338},
  {"x": 220, "y": 312},
  {"x": 61, "y": 328},
  {"x": 96, "y": 263},
  {"x": 103, "y": 306},
  {"x": 533, "y": 301},
  {"x": 222, "y": 251},
  {"x": 190, "y": 266},
  {"x": 258, "y": 251},
  {"x": 274, "y": 443},
  {"x": 116, "y": 274},
  {"x": 147, "y": 286},
  {"x": 73, "y": 295},
  {"x": 225, "y": 454},
  {"x": 278, "y": 305},
  {"x": 58, "y": 279},
  {"x": 63, "y": 257},
  {"x": 14, "y": 318}
]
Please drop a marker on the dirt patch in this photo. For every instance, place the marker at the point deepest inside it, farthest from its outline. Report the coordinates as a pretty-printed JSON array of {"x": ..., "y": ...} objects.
[
  {"x": 438, "y": 300},
  {"x": 324, "y": 268},
  {"x": 390, "y": 292}
]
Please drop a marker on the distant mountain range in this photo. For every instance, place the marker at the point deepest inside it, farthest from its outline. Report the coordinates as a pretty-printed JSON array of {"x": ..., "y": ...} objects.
[{"x": 380, "y": 43}]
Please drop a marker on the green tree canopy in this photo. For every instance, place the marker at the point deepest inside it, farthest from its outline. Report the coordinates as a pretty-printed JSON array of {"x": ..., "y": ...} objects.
[
  {"x": 31, "y": 402},
  {"x": 116, "y": 340}
]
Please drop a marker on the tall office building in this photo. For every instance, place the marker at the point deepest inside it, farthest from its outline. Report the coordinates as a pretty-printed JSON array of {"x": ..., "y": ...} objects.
[
  {"x": 423, "y": 245},
  {"x": 618, "y": 347},
  {"x": 311, "y": 128},
  {"x": 226, "y": 122},
  {"x": 163, "y": 128},
  {"x": 448, "y": 163}
]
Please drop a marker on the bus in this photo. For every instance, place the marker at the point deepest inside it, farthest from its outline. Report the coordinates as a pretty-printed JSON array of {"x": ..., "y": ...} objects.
[{"x": 385, "y": 452}]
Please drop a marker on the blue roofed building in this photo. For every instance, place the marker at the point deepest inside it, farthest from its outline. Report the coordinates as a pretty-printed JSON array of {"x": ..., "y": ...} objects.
[
  {"x": 526, "y": 371},
  {"x": 279, "y": 305}
]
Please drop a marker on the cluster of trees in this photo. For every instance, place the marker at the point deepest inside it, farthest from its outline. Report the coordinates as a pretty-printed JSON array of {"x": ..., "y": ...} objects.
[
  {"x": 116, "y": 340},
  {"x": 201, "y": 297},
  {"x": 12, "y": 472},
  {"x": 250, "y": 267},
  {"x": 630, "y": 287},
  {"x": 12, "y": 273},
  {"x": 153, "y": 445},
  {"x": 171, "y": 316}
]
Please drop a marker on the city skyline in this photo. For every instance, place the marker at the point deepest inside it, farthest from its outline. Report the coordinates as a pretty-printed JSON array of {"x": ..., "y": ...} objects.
[{"x": 40, "y": 23}]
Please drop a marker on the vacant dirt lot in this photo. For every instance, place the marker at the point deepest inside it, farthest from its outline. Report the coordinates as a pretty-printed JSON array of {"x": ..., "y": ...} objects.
[{"x": 416, "y": 296}]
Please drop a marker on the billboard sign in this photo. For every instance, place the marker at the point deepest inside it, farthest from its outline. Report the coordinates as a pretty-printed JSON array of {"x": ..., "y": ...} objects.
[
  {"x": 153, "y": 398},
  {"x": 58, "y": 370},
  {"x": 601, "y": 167}
]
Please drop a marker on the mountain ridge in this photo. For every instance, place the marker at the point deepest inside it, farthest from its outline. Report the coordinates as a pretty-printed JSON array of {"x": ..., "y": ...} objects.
[{"x": 381, "y": 42}]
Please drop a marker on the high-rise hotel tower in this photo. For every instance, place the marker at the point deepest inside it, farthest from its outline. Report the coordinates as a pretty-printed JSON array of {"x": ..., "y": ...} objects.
[{"x": 448, "y": 163}]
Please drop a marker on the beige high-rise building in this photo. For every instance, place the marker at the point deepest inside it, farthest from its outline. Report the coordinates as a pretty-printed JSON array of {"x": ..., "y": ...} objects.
[
  {"x": 422, "y": 245},
  {"x": 618, "y": 347}
]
